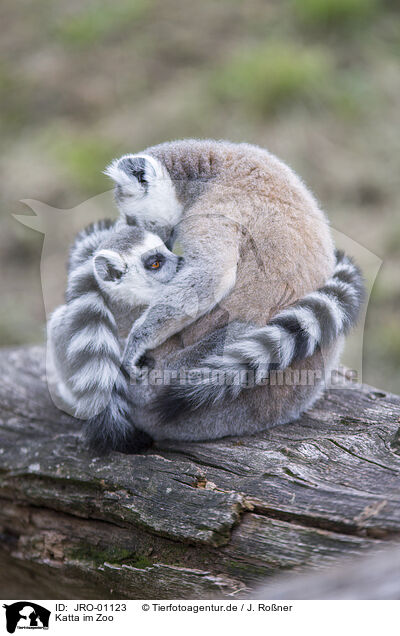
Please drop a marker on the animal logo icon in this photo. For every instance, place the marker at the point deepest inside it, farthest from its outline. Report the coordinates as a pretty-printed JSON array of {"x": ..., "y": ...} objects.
[{"x": 26, "y": 615}]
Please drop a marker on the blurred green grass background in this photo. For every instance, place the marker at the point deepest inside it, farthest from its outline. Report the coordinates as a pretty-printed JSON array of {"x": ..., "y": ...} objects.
[{"x": 317, "y": 82}]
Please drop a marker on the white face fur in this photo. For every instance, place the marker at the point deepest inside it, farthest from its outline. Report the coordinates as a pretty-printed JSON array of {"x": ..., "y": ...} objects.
[
  {"x": 146, "y": 189},
  {"x": 136, "y": 276}
]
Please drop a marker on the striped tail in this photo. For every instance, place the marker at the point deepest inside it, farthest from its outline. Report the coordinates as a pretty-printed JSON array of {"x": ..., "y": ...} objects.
[
  {"x": 112, "y": 429},
  {"x": 92, "y": 374},
  {"x": 295, "y": 333}
]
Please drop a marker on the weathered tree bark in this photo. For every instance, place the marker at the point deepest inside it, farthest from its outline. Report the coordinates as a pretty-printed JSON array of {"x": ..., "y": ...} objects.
[{"x": 188, "y": 520}]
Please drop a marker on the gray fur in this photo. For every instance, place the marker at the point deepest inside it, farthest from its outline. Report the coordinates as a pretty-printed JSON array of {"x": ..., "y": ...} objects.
[
  {"x": 178, "y": 186},
  {"x": 84, "y": 334},
  {"x": 208, "y": 192},
  {"x": 121, "y": 405},
  {"x": 162, "y": 411},
  {"x": 315, "y": 321}
]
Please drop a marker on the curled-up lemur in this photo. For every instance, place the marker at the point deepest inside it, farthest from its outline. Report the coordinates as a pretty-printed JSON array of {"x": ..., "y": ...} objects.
[
  {"x": 112, "y": 277},
  {"x": 254, "y": 241},
  {"x": 113, "y": 273}
]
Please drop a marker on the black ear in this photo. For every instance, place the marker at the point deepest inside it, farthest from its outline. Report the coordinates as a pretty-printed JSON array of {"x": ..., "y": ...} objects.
[
  {"x": 134, "y": 167},
  {"x": 109, "y": 266},
  {"x": 137, "y": 167}
]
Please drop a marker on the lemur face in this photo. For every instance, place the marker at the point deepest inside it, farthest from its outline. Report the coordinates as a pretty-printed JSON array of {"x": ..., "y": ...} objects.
[{"x": 133, "y": 266}]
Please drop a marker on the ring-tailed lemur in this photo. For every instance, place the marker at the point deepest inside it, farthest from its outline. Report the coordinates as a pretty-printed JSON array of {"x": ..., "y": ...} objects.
[
  {"x": 254, "y": 241},
  {"x": 223, "y": 200},
  {"x": 112, "y": 276}
]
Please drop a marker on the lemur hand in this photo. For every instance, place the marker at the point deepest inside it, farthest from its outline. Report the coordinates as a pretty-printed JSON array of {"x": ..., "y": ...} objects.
[
  {"x": 131, "y": 363},
  {"x": 134, "y": 351},
  {"x": 159, "y": 322}
]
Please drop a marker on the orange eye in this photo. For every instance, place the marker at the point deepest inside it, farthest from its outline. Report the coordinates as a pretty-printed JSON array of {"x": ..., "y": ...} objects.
[{"x": 154, "y": 262}]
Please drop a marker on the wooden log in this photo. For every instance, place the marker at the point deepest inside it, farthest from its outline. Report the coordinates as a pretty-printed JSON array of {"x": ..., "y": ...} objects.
[{"x": 188, "y": 520}]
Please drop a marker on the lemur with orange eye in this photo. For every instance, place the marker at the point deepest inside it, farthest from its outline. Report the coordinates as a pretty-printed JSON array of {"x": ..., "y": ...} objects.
[
  {"x": 254, "y": 243},
  {"x": 112, "y": 276}
]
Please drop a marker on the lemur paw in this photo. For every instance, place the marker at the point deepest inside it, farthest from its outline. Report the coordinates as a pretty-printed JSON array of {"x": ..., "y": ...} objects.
[{"x": 133, "y": 367}]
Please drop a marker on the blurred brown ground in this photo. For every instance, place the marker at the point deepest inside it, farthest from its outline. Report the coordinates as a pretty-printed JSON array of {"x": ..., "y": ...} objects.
[{"x": 317, "y": 82}]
